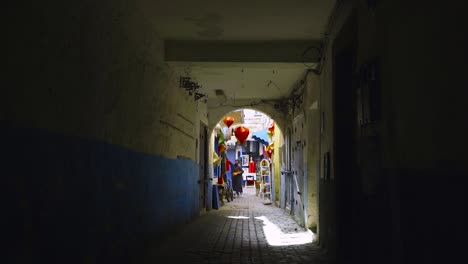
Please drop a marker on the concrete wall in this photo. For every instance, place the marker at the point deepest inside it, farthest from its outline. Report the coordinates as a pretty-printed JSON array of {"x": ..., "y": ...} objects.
[
  {"x": 407, "y": 185},
  {"x": 98, "y": 142}
]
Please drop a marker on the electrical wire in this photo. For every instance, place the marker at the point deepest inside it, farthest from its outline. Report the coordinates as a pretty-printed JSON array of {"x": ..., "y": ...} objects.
[
  {"x": 324, "y": 43},
  {"x": 234, "y": 105},
  {"x": 272, "y": 82}
]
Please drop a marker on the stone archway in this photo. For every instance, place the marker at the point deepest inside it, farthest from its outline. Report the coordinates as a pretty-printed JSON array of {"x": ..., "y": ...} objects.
[{"x": 216, "y": 113}]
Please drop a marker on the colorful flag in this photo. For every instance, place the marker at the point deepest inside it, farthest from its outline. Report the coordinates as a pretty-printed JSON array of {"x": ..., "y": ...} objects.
[{"x": 221, "y": 137}]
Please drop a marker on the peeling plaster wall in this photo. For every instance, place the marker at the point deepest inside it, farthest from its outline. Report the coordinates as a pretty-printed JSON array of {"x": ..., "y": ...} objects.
[
  {"x": 305, "y": 154},
  {"x": 98, "y": 141}
]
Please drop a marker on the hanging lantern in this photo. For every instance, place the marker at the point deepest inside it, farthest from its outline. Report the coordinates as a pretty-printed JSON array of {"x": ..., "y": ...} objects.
[
  {"x": 271, "y": 128},
  {"x": 241, "y": 133},
  {"x": 228, "y": 121},
  {"x": 221, "y": 148},
  {"x": 269, "y": 150}
]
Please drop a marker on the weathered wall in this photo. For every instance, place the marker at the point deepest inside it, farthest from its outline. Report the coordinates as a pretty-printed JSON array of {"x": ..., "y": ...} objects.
[
  {"x": 298, "y": 167},
  {"x": 327, "y": 236},
  {"x": 98, "y": 142},
  {"x": 410, "y": 172},
  {"x": 305, "y": 153},
  {"x": 312, "y": 156}
]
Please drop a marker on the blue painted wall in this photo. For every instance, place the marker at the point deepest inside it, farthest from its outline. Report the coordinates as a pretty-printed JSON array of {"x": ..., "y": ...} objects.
[
  {"x": 74, "y": 199},
  {"x": 231, "y": 155}
]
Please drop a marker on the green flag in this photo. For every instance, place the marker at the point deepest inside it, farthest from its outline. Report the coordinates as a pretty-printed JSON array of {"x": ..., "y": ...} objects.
[{"x": 221, "y": 137}]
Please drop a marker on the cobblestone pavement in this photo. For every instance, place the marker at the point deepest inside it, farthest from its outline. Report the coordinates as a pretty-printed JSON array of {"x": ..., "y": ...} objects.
[{"x": 242, "y": 231}]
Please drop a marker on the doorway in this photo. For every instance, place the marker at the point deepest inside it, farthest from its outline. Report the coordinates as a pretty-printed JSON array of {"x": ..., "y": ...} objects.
[
  {"x": 286, "y": 181},
  {"x": 203, "y": 164}
]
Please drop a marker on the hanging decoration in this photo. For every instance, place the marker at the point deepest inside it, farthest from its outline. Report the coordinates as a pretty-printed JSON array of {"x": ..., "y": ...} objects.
[
  {"x": 270, "y": 135},
  {"x": 228, "y": 121},
  {"x": 269, "y": 150},
  {"x": 268, "y": 153},
  {"x": 221, "y": 138},
  {"x": 241, "y": 133},
  {"x": 221, "y": 148},
  {"x": 216, "y": 159},
  {"x": 271, "y": 128}
]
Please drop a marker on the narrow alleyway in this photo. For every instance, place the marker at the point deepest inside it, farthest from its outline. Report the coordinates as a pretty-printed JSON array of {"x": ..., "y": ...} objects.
[{"x": 242, "y": 231}]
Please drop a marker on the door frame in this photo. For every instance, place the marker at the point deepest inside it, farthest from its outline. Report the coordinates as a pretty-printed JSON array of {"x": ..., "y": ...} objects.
[{"x": 203, "y": 165}]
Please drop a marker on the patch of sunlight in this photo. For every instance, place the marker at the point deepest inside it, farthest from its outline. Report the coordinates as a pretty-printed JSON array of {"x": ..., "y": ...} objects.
[
  {"x": 238, "y": 217},
  {"x": 275, "y": 237}
]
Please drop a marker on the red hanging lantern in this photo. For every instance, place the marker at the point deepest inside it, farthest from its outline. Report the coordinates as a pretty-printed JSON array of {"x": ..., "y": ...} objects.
[
  {"x": 228, "y": 121},
  {"x": 241, "y": 133},
  {"x": 271, "y": 128},
  {"x": 269, "y": 152}
]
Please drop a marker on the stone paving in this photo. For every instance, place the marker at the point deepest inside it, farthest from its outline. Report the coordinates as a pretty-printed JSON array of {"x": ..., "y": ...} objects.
[{"x": 242, "y": 231}]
